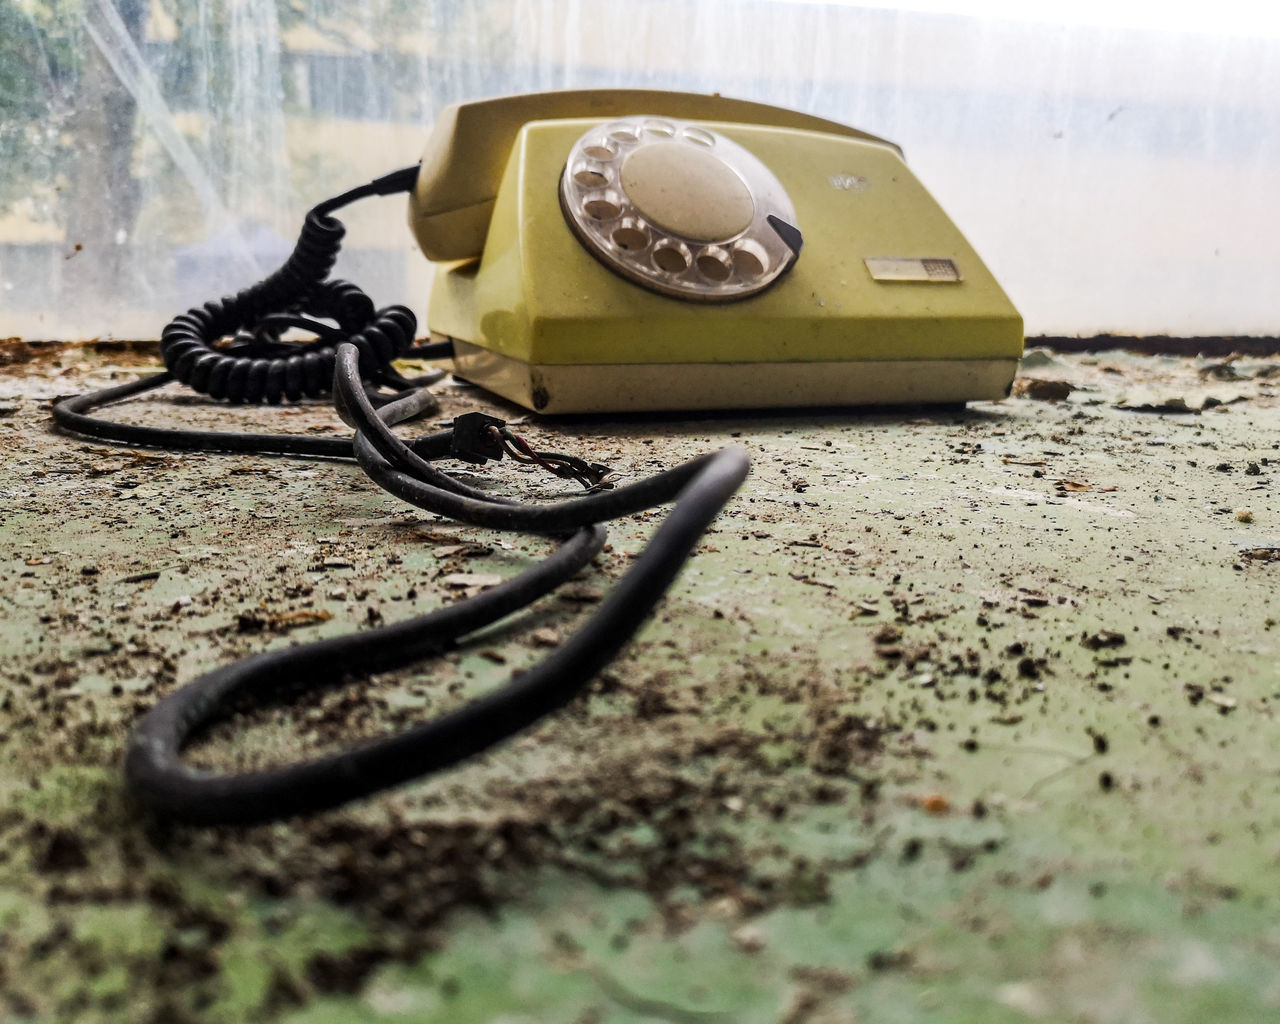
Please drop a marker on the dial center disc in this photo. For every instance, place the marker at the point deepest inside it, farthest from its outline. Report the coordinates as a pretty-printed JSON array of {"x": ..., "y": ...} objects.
[{"x": 688, "y": 191}]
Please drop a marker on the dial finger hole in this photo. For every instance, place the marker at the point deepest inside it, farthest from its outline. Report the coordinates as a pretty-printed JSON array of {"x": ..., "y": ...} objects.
[
  {"x": 749, "y": 259},
  {"x": 600, "y": 151},
  {"x": 590, "y": 176},
  {"x": 698, "y": 136},
  {"x": 714, "y": 264},
  {"x": 630, "y": 236},
  {"x": 602, "y": 205},
  {"x": 663, "y": 128},
  {"x": 624, "y": 135},
  {"x": 670, "y": 258}
]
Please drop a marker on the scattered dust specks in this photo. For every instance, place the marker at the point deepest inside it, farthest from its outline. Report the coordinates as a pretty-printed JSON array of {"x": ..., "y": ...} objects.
[{"x": 939, "y": 645}]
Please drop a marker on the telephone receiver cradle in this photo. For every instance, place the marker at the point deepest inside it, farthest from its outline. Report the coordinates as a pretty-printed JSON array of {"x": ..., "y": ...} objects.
[{"x": 633, "y": 250}]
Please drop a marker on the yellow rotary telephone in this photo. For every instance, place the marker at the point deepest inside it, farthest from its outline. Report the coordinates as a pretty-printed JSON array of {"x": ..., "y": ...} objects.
[{"x": 631, "y": 250}]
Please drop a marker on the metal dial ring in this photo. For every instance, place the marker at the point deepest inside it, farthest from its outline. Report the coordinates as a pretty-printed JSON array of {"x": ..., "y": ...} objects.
[{"x": 679, "y": 209}]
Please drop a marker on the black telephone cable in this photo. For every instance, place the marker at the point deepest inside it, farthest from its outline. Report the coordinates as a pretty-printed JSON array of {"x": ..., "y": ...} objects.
[
  {"x": 71, "y": 414},
  {"x": 165, "y": 784}
]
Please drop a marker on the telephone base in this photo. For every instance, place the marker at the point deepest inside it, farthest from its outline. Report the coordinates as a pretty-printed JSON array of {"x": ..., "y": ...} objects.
[
  {"x": 888, "y": 304},
  {"x": 663, "y": 387}
]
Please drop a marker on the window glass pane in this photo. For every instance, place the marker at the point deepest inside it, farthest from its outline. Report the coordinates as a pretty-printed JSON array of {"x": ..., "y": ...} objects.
[{"x": 1115, "y": 172}]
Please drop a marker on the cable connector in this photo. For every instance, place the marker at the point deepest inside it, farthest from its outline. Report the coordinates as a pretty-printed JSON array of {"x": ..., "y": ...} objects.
[
  {"x": 477, "y": 437},
  {"x": 402, "y": 180},
  {"x": 601, "y": 478}
]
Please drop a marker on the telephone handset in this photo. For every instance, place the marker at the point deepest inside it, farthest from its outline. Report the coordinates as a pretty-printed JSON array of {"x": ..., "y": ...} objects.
[
  {"x": 466, "y": 155},
  {"x": 634, "y": 250}
]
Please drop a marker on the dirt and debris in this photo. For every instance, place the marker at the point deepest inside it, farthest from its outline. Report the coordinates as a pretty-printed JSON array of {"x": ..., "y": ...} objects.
[
  {"x": 1102, "y": 639},
  {"x": 1042, "y": 390},
  {"x": 884, "y": 697},
  {"x": 255, "y": 621}
]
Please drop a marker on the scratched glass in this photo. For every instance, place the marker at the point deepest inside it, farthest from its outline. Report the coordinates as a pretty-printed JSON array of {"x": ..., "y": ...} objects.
[{"x": 1115, "y": 175}]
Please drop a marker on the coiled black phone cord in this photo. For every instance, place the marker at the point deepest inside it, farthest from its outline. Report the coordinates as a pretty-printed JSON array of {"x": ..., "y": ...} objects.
[
  {"x": 154, "y": 767},
  {"x": 258, "y": 367}
]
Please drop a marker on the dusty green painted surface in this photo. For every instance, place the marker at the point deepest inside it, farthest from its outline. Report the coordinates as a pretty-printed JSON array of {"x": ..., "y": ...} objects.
[{"x": 954, "y": 717}]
